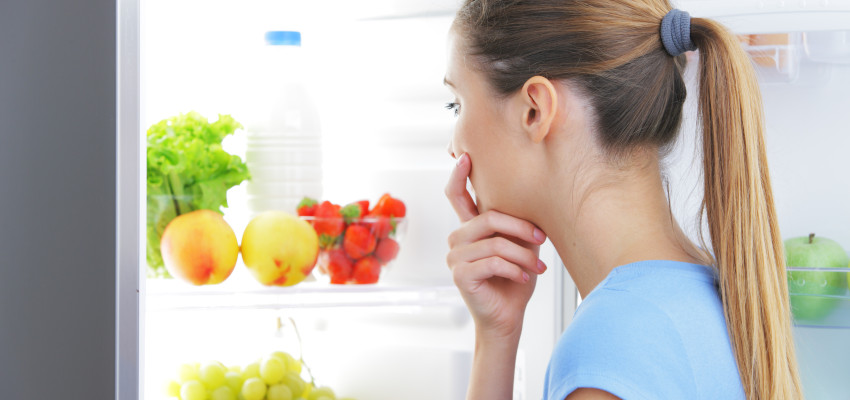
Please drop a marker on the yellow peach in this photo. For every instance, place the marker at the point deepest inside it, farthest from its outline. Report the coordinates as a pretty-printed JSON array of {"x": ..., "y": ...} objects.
[
  {"x": 279, "y": 248},
  {"x": 199, "y": 247}
]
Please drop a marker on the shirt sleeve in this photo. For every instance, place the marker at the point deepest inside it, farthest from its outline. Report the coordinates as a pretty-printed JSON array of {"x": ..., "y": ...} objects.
[{"x": 624, "y": 345}]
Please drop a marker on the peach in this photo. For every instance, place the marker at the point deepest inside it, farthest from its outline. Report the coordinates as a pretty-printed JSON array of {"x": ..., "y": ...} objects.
[
  {"x": 279, "y": 248},
  {"x": 199, "y": 247}
]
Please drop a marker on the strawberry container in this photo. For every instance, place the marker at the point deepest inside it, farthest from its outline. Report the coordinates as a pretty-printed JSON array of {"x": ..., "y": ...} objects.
[{"x": 356, "y": 250}]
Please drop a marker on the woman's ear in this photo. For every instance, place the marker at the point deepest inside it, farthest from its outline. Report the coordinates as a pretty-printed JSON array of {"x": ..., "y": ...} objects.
[{"x": 539, "y": 104}]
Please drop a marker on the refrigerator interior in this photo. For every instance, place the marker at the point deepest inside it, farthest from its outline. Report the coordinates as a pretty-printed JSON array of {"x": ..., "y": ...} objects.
[
  {"x": 377, "y": 83},
  {"x": 376, "y": 79}
]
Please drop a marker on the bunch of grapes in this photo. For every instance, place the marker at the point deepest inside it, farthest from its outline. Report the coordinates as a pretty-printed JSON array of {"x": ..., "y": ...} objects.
[{"x": 274, "y": 377}]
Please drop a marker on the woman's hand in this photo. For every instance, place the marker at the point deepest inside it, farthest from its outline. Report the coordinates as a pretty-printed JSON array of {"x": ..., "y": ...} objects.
[{"x": 494, "y": 260}]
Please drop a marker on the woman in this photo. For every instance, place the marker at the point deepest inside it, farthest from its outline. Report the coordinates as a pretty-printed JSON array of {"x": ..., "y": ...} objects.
[{"x": 565, "y": 109}]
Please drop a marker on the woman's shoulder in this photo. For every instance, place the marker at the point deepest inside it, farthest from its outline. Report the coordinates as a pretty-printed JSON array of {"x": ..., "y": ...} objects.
[
  {"x": 652, "y": 330},
  {"x": 623, "y": 344},
  {"x": 623, "y": 320}
]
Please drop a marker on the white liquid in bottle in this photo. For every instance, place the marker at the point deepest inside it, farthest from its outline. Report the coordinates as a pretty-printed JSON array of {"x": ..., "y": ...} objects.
[{"x": 284, "y": 146}]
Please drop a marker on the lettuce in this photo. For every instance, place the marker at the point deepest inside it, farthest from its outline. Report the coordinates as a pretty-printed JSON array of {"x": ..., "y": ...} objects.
[{"x": 187, "y": 170}]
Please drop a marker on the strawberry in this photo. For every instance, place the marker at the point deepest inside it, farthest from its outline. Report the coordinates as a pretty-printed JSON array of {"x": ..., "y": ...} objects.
[
  {"x": 328, "y": 223},
  {"x": 386, "y": 250},
  {"x": 380, "y": 226},
  {"x": 364, "y": 207},
  {"x": 378, "y": 208},
  {"x": 358, "y": 241},
  {"x": 307, "y": 207},
  {"x": 350, "y": 212},
  {"x": 388, "y": 206},
  {"x": 367, "y": 270},
  {"x": 340, "y": 267}
]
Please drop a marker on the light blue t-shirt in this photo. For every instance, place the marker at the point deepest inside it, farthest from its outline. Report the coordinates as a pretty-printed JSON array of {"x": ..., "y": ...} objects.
[{"x": 650, "y": 330}]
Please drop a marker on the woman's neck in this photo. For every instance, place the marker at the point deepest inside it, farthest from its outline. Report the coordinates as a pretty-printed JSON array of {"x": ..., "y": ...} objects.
[{"x": 624, "y": 221}]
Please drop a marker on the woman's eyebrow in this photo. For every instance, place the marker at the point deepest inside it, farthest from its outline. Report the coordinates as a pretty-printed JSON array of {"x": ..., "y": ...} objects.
[{"x": 447, "y": 82}]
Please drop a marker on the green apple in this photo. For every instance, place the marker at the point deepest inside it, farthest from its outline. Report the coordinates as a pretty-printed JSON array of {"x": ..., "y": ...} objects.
[{"x": 807, "y": 288}]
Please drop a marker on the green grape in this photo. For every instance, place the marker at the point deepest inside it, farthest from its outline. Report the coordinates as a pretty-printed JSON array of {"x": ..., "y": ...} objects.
[
  {"x": 272, "y": 370},
  {"x": 212, "y": 375},
  {"x": 291, "y": 363},
  {"x": 279, "y": 392},
  {"x": 320, "y": 392},
  {"x": 235, "y": 368},
  {"x": 295, "y": 383},
  {"x": 233, "y": 381},
  {"x": 223, "y": 393},
  {"x": 253, "y": 389},
  {"x": 172, "y": 389},
  {"x": 282, "y": 355},
  {"x": 325, "y": 398},
  {"x": 251, "y": 371},
  {"x": 193, "y": 390},
  {"x": 187, "y": 372}
]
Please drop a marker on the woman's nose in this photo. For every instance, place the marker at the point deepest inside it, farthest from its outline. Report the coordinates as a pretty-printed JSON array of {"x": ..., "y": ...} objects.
[{"x": 449, "y": 149}]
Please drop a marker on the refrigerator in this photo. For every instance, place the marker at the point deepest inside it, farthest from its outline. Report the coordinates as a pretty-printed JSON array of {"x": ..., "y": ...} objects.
[{"x": 81, "y": 85}]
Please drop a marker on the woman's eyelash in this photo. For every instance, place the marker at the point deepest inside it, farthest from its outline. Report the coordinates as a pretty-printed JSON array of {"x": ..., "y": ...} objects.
[{"x": 453, "y": 106}]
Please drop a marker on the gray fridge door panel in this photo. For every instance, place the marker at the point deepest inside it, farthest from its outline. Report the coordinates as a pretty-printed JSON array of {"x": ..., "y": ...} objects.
[{"x": 57, "y": 199}]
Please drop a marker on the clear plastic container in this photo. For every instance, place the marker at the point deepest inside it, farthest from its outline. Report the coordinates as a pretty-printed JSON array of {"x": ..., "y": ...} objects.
[
  {"x": 284, "y": 146},
  {"x": 776, "y": 56}
]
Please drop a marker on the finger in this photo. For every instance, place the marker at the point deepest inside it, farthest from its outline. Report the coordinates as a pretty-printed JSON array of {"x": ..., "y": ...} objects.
[
  {"x": 500, "y": 247},
  {"x": 493, "y": 222},
  {"x": 456, "y": 192},
  {"x": 487, "y": 268}
]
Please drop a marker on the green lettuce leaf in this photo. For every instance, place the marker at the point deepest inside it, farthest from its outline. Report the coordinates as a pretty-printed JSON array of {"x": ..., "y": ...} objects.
[{"x": 187, "y": 170}]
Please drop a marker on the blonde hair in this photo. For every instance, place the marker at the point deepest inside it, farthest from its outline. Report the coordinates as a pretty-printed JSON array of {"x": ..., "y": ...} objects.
[
  {"x": 741, "y": 217},
  {"x": 613, "y": 51}
]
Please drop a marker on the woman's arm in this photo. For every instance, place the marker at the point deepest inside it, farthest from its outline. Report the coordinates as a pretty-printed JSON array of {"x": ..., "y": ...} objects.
[
  {"x": 590, "y": 394},
  {"x": 493, "y": 366}
]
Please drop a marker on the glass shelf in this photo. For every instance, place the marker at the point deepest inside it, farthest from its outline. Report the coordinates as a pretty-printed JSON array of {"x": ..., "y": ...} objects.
[
  {"x": 820, "y": 304},
  {"x": 170, "y": 295}
]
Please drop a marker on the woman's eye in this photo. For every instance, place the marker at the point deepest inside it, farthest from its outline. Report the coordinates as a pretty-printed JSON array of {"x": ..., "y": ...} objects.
[{"x": 453, "y": 106}]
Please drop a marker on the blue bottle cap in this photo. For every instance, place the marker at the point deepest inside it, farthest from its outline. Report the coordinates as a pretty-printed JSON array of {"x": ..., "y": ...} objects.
[{"x": 283, "y": 38}]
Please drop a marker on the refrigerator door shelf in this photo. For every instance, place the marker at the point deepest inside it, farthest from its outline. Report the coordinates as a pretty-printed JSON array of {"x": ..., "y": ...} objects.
[
  {"x": 173, "y": 295},
  {"x": 816, "y": 305},
  {"x": 776, "y": 57}
]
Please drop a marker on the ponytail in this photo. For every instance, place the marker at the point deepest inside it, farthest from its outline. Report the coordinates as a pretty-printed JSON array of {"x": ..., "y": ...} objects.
[{"x": 739, "y": 207}]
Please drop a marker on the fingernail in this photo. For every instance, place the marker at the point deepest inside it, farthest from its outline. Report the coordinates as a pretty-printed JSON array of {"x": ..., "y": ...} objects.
[
  {"x": 525, "y": 276},
  {"x": 539, "y": 235},
  {"x": 541, "y": 266},
  {"x": 460, "y": 159}
]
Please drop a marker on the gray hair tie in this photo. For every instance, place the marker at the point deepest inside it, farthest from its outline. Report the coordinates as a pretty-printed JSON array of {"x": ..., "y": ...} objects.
[{"x": 676, "y": 32}]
